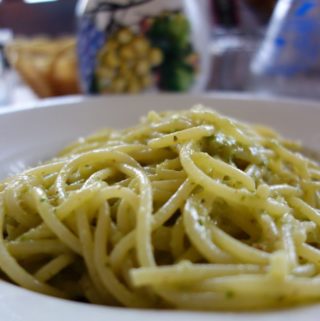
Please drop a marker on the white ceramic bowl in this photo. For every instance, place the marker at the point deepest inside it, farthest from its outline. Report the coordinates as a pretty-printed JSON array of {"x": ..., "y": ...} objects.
[{"x": 29, "y": 135}]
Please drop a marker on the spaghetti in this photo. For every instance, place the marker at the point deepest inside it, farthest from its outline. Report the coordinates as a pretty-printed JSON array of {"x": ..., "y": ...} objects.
[{"x": 187, "y": 210}]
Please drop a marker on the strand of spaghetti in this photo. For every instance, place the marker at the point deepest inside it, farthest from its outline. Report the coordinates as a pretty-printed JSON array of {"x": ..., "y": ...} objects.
[
  {"x": 309, "y": 212},
  {"x": 107, "y": 276},
  {"x": 136, "y": 133},
  {"x": 82, "y": 148},
  {"x": 305, "y": 270},
  {"x": 98, "y": 176},
  {"x": 16, "y": 273},
  {"x": 315, "y": 173},
  {"x": 235, "y": 174},
  {"x": 97, "y": 137},
  {"x": 49, "y": 270},
  {"x": 13, "y": 232},
  {"x": 122, "y": 294},
  {"x": 88, "y": 254},
  {"x": 269, "y": 229},
  {"x": 148, "y": 154},
  {"x": 279, "y": 267},
  {"x": 124, "y": 217},
  {"x": 187, "y": 272},
  {"x": 160, "y": 195},
  {"x": 52, "y": 221},
  {"x": 265, "y": 131},
  {"x": 126, "y": 242},
  {"x": 224, "y": 124},
  {"x": 105, "y": 155},
  {"x": 288, "y": 241},
  {"x": 144, "y": 218},
  {"x": 172, "y": 205},
  {"x": 239, "y": 250},
  {"x": 120, "y": 251},
  {"x": 101, "y": 234},
  {"x": 167, "y": 185},
  {"x": 181, "y": 136},
  {"x": 76, "y": 199},
  {"x": 230, "y": 194},
  {"x": 172, "y": 123},
  {"x": 255, "y": 284},
  {"x": 214, "y": 300},
  {"x": 277, "y": 168},
  {"x": 126, "y": 267},
  {"x": 101, "y": 248},
  {"x": 25, "y": 249},
  {"x": 162, "y": 173},
  {"x": 11, "y": 201},
  {"x": 309, "y": 253},
  {"x": 200, "y": 237},
  {"x": 39, "y": 232},
  {"x": 245, "y": 220},
  {"x": 44, "y": 169},
  {"x": 120, "y": 192},
  {"x": 177, "y": 238},
  {"x": 285, "y": 190},
  {"x": 173, "y": 164},
  {"x": 310, "y": 194},
  {"x": 298, "y": 162},
  {"x": 47, "y": 180}
]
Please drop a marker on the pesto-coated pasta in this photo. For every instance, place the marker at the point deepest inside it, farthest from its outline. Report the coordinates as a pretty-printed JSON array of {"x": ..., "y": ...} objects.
[{"x": 186, "y": 210}]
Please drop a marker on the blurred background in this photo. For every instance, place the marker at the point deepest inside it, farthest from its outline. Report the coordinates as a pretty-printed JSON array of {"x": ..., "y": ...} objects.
[{"x": 66, "y": 47}]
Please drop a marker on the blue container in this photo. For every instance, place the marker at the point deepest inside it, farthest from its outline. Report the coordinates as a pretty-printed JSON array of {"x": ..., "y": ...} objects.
[{"x": 288, "y": 61}]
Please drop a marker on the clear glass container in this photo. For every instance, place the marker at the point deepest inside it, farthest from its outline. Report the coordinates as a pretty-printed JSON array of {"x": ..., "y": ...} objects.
[
  {"x": 288, "y": 61},
  {"x": 143, "y": 45},
  {"x": 5, "y": 86}
]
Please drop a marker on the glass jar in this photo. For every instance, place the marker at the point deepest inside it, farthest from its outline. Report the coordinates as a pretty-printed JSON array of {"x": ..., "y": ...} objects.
[
  {"x": 288, "y": 61},
  {"x": 136, "y": 46}
]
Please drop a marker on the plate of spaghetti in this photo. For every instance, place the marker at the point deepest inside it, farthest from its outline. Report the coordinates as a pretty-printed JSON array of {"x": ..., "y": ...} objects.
[{"x": 131, "y": 208}]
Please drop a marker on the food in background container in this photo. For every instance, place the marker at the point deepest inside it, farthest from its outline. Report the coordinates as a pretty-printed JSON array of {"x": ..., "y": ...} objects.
[
  {"x": 64, "y": 72},
  {"x": 134, "y": 46},
  {"x": 170, "y": 31},
  {"x": 126, "y": 62},
  {"x": 48, "y": 66}
]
